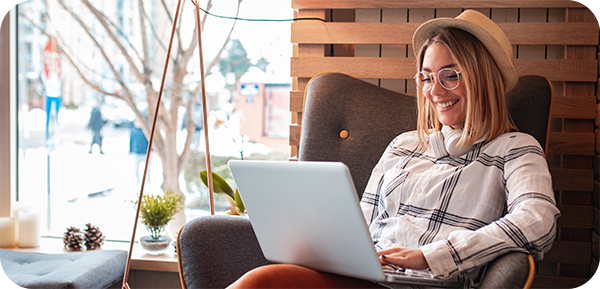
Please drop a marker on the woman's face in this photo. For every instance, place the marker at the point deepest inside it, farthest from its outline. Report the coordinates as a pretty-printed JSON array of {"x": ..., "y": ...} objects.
[{"x": 450, "y": 105}]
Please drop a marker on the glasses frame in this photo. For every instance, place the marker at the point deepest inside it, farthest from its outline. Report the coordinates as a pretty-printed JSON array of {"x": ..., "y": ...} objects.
[{"x": 435, "y": 79}]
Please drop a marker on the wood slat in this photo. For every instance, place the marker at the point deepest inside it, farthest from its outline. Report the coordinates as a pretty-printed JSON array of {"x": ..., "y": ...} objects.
[
  {"x": 572, "y": 180},
  {"x": 558, "y": 282},
  {"x": 380, "y": 4},
  {"x": 296, "y": 101},
  {"x": 305, "y": 50},
  {"x": 560, "y": 143},
  {"x": 576, "y": 216},
  {"x": 569, "y": 253},
  {"x": 574, "y": 107},
  {"x": 595, "y": 245},
  {"x": 551, "y": 33},
  {"x": 359, "y": 67},
  {"x": 295, "y": 131},
  {"x": 580, "y": 70},
  {"x": 353, "y": 33},
  {"x": 316, "y": 32},
  {"x": 576, "y": 70}
]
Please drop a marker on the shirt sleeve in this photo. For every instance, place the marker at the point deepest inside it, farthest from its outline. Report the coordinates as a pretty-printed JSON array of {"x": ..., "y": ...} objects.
[{"x": 529, "y": 225}]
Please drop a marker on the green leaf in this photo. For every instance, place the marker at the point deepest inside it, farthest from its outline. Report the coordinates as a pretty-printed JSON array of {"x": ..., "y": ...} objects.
[
  {"x": 219, "y": 184},
  {"x": 221, "y": 187},
  {"x": 238, "y": 201},
  {"x": 228, "y": 199}
]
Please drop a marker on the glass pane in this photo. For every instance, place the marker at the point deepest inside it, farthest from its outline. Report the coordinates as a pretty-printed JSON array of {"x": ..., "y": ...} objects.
[{"x": 87, "y": 87}]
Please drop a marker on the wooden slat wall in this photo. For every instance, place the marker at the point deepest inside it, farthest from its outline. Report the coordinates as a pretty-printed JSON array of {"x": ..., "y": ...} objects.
[{"x": 557, "y": 39}]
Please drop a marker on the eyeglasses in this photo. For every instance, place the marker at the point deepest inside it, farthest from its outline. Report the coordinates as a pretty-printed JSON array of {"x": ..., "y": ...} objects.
[{"x": 448, "y": 77}]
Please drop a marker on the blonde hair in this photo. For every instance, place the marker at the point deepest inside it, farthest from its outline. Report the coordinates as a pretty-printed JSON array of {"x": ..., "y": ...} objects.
[{"x": 486, "y": 104}]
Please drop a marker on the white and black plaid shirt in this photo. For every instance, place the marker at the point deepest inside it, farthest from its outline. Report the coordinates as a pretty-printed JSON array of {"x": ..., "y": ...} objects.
[{"x": 462, "y": 211}]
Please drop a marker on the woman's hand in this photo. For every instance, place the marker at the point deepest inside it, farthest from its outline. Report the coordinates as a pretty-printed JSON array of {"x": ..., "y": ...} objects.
[{"x": 408, "y": 258}]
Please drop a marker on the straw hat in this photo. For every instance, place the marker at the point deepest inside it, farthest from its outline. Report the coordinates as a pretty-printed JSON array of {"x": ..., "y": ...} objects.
[{"x": 485, "y": 30}]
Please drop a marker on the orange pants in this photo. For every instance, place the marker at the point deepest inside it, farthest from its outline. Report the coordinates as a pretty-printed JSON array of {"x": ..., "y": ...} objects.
[{"x": 292, "y": 276}]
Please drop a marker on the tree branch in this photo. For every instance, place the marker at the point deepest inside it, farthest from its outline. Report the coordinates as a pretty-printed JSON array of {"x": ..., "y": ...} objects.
[
  {"x": 164, "y": 5},
  {"x": 120, "y": 32},
  {"x": 146, "y": 60},
  {"x": 156, "y": 38},
  {"x": 100, "y": 18},
  {"x": 127, "y": 95},
  {"x": 191, "y": 129},
  {"x": 64, "y": 48},
  {"x": 189, "y": 52},
  {"x": 218, "y": 57}
]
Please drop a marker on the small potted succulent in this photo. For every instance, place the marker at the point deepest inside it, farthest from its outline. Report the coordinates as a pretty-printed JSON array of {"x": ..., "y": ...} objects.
[{"x": 156, "y": 212}]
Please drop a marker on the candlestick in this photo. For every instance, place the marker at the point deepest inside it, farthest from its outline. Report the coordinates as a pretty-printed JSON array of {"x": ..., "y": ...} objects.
[
  {"x": 7, "y": 233},
  {"x": 29, "y": 229}
]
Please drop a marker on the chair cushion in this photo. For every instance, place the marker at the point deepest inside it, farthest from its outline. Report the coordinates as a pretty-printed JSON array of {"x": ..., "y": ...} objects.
[
  {"x": 94, "y": 269},
  {"x": 371, "y": 115}
]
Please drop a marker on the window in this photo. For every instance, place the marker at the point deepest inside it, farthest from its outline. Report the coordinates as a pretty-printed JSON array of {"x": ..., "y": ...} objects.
[{"x": 75, "y": 63}]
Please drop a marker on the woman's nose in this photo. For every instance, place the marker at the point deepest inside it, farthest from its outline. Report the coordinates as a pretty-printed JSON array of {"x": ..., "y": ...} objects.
[{"x": 437, "y": 88}]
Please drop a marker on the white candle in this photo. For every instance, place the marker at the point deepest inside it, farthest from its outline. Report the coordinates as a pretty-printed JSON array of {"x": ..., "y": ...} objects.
[
  {"x": 16, "y": 208},
  {"x": 7, "y": 233},
  {"x": 29, "y": 229}
]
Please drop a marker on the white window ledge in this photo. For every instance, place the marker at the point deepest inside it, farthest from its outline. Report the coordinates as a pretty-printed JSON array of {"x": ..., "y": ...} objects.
[{"x": 166, "y": 262}]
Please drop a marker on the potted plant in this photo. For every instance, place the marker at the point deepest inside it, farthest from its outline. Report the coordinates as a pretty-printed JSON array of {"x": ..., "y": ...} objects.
[{"x": 155, "y": 213}]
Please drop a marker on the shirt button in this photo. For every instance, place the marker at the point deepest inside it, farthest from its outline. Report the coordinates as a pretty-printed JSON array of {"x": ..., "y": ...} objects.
[{"x": 419, "y": 190}]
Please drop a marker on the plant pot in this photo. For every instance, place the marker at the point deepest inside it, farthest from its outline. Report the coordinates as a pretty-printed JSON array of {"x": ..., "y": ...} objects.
[
  {"x": 158, "y": 242},
  {"x": 155, "y": 246}
]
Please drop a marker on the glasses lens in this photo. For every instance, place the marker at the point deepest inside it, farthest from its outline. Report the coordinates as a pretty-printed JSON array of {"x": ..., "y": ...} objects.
[
  {"x": 424, "y": 81},
  {"x": 449, "y": 78}
]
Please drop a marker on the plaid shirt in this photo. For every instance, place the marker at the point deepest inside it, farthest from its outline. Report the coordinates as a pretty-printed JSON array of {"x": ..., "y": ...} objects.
[{"x": 462, "y": 211}]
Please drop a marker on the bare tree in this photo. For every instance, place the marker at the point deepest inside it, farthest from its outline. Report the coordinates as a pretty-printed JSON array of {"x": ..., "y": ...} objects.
[{"x": 177, "y": 94}]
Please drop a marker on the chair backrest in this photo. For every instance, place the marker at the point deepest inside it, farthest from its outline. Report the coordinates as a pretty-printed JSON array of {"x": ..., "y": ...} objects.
[
  {"x": 346, "y": 119},
  {"x": 530, "y": 106},
  {"x": 371, "y": 116}
]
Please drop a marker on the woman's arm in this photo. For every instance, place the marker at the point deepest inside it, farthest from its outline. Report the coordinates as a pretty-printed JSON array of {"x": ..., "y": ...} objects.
[{"x": 529, "y": 225}]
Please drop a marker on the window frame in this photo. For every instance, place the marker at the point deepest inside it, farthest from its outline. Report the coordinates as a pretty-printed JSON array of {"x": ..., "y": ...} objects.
[{"x": 8, "y": 119}]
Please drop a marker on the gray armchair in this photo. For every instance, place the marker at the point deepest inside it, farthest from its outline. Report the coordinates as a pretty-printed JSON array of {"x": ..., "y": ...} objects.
[{"x": 349, "y": 120}]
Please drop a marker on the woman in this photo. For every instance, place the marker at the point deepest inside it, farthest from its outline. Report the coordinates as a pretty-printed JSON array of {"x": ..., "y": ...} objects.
[{"x": 462, "y": 189}]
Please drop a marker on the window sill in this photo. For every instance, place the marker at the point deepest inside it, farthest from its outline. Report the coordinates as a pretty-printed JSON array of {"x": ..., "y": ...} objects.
[{"x": 166, "y": 262}]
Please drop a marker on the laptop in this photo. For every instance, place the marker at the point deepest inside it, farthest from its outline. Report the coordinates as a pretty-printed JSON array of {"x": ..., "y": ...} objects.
[{"x": 308, "y": 214}]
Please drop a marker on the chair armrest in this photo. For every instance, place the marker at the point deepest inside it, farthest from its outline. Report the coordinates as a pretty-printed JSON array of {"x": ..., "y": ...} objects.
[
  {"x": 214, "y": 251},
  {"x": 511, "y": 270}
]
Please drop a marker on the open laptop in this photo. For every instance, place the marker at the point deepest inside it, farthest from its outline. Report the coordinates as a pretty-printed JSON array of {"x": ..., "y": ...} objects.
[{"x": 308, "y": 214}]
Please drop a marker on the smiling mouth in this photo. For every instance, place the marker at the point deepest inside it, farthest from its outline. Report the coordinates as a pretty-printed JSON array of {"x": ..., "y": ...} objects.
[{"x": 447, "y": 104}]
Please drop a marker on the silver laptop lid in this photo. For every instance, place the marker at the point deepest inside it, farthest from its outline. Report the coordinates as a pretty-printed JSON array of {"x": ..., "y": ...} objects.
[{"x": 308, "y": 214}]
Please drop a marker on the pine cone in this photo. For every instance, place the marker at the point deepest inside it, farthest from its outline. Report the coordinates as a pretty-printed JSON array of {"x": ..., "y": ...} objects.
[
  {"x": 73, "y": 239},
  {"x": 94, "y": 238}
]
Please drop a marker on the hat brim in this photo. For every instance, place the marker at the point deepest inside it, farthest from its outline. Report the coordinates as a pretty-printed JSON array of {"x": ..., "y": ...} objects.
[{"x": 484, "y": 29}]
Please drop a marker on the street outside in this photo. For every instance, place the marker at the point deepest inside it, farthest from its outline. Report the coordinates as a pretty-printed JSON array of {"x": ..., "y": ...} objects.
[{"x": 92, "y": 187}]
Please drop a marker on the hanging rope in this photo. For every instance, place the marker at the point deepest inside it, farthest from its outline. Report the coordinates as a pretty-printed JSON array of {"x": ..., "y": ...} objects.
[
  {"x": 205, "y": 114},
  {"x": 156, "y": 111}
]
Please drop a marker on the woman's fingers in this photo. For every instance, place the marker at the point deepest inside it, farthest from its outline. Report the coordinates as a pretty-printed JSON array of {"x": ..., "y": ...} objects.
[{"x": 410, "y": 258}]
